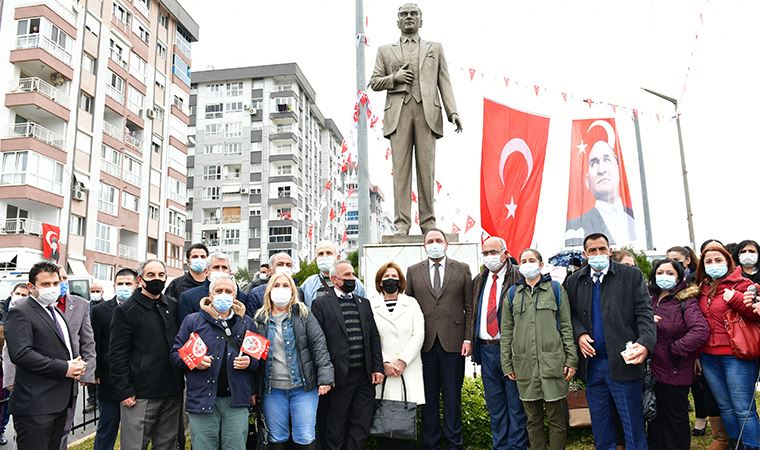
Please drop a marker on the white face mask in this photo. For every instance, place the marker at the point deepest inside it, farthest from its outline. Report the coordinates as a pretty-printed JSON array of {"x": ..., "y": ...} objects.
[
  {"x": 281, "y": 296},
  {"x": 748, "y": 259},
  {"x": 14, "y": 301},
  {"x": 217, "y": 274},
  {"x": 492, "y": 262},
  {"x": 283, "y": 269},
  {"x": 435, "y": 250},
  {"x": 48, "y": 296},
  {"x": 325, "y": 263},
  {"x": 96, "y": 296},
  {"x": 530, "y": 270}
]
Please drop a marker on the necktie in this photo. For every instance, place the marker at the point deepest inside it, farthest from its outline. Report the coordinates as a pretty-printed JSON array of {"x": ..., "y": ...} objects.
[
  {"x": 596, "y": 310},
  {"x": 437, "y": 278},
  {"x": 57, "y": 326},
  {"x": 61, "y": 304},
  {"x": 492, "y": 319}
]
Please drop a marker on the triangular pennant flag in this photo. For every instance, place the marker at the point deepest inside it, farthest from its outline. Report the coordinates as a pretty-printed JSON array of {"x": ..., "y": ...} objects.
[
  {"x": 350, "y": 191},
  {"x": 438, "y": 186},
  {"x": 472, "y": 74},
  {"x": 506, "y": 81},
  {"x": 469, "y": 224},
  {"x": 417, "y": 217},
  {"x": 356, "y": 112},
  {"x": 328, "y": 185},
  {"x": 564, "y": 96},
  {"x": 455, "y": 229},
  {"x": 343, "y": 208},
  {"x": 483, "y": 237},
  {"x": 635, "y": 113},
  {"x": 387, "y": 153},
  {"x": 614, "y": 108},
  {"x": 589, "y": 101},
  {"x": 344, "y": 239},
  {"x": 536, "y": 89},
  {"x": 332, "y": 214},
  {"x": 343, "y": 147},
  {"x": 311, "y": 231},
  {"x": 414, "y": 197}
]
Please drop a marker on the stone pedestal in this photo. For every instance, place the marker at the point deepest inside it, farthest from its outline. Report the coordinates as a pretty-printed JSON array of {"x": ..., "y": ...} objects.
[{"x": 412, "y": 238}]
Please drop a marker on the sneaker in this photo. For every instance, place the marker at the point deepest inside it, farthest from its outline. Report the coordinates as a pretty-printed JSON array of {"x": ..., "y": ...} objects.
[{"x": 3, "y": 441}]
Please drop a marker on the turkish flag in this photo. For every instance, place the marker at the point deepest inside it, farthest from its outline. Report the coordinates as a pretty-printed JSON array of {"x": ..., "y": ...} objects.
[
  {"x": 438, "y": 186},
  {"x": 328, "y": 185},
  {"x": 311, "y": 231},
  {"x": 512, "y": 168},
  {"x": 51, "y": 236},
  {"x": 414, "y": 197},
  {"x": 469, "y": 224},
  {"x": 455, "y": 229},
  {"x": 255, "y": 345},
  {"x": 193, "y": 351},
  {"x": 332, "y": 214}
]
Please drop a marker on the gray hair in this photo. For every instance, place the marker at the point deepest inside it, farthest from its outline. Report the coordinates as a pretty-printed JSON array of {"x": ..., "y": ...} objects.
[
  {"x": 500, "y": 241},
  {"x": 217, "y": 280},
  {"x": 141, "y": 267},
  {"x": 334, "y": 267},
  {"x": 220, "y": 255},
  {"x": 326, "y": 243},
  {"x": 275, "y": 256}
]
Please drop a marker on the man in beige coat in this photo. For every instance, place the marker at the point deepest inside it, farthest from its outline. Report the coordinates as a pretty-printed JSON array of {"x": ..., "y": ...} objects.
[{"x": 414, "y": 72}]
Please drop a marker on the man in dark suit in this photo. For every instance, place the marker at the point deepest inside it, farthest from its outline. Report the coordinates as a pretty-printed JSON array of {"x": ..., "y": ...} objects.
[
  {"x": 109, "y": 415},
  {"x": 610, "y": 307},
  {"x": 47, "y": 366},
  {"x": 508, "y": 420},
  {"x": 443, "y": 288},
  {"x": 353, "y": 341}
]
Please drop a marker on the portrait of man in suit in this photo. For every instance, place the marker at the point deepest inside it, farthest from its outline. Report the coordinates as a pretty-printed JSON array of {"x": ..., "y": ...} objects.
[
  {"x": 609, "y": 215},
  {"x": 415, "y": 74}
]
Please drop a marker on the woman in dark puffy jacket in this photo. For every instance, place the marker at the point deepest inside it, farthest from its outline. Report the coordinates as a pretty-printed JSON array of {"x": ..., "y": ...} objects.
[
  {"x": 681, "y": 331},
  {"x": 219, "y": 388},
  {"x": 298, "y": 369}
]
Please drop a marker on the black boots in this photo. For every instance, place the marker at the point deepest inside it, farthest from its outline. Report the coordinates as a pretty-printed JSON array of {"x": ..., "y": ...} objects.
[{"x": 312, "y": 446}]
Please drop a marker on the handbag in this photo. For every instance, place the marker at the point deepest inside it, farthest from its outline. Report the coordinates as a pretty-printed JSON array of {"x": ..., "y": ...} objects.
[
  {"x": 394, "y": 419},
  {"x": 648, "y": 397},
  {"x": 744, "y": 335},
  {"x": 258, "y": 432}
]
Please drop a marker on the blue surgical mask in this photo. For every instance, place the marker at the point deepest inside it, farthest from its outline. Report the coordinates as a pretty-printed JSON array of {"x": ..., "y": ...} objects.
[
  {"x": 198, "y": 265},
  {"x": 665, "y": 282},
  {"x": 599, "y": 262},
  {"x": 64, "y": 288},
  {"x": 716, "y": 271},
  {"x": 435, "y": 250},
  {"x": 123, "y": 293},
  {"x": 222, "y": 302}
]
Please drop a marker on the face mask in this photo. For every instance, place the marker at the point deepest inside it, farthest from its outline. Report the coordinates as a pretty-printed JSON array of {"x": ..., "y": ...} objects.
[
  {"x": 64, "y": 288},
  {"x": 217, "y": 274},
  {"x": 123, "y": 293},
  {"x": 325, "y": 263},
  {"x": 283, "y": 269},
  {"x": 222, "y": 302},
  {"x": 96, "y": 296},
  {"x": 198, "y": 265},
  {"x": 530, "y": 270},
  {"x": 348, "y": 286},
  {"x": 435, "y": 251},
  {"x": 599, "y": 262},
  {"x": 48, "y": 296},
  {"x": 281, "y": 296},
  {"x": 155, "y": 287},
  {"x": 716, "y": 271},
  {"x": 665, "y": 282},
  {"x": 14, "y": 301},
  {"x": 390, "y": 285},
  {"x": 492, "y": 262},
  {"x": 263, "y": 276},
  {"x": 748, "y": 259}
]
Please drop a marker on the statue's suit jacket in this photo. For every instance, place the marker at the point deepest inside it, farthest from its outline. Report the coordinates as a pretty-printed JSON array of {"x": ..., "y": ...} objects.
[{"x": 433, "y": 77}]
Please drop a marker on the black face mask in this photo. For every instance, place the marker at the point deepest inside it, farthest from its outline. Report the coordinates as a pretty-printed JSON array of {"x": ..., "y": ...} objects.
[
  {"x": 390, "y": 285},
  {"x": 348, "y": 286},
  {"x": 155, "y": 287}
]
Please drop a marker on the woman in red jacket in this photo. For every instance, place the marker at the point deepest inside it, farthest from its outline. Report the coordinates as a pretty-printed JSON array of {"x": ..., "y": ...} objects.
[{"x": 731, "y": 379}]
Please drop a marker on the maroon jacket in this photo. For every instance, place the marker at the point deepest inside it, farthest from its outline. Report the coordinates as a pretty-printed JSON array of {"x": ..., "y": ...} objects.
[
  {"x": 681, "y": 331},
  {"x": 715, "y": 308}
]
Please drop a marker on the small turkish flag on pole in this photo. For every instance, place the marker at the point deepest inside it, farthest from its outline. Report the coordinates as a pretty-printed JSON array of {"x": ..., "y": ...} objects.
[
  {"x": 438, "y": 186},
  {"x": 344, "y": 239},
  {"x": 414, "y": 197},
  {"x": 193, "y": 351},
  {"x": 469, "y": 224},
  {"x": 328, "y": 185},
  {"x": 332, "y": 214},
  {"x": 255, "y": 345},
  {"x": 455, "y": 229},
  {"x": 50, "y": 236}
]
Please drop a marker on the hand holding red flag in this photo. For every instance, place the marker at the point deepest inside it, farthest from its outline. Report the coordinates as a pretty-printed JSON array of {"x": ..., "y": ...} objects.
[
  {"x": 255, "y": 345},
  {"x": 193, "y": 351}
]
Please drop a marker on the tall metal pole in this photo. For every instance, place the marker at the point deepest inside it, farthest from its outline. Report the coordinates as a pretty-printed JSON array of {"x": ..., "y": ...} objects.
[
  {"x": 684, "y": 173},
  {"x": 644, "y": 191},
  {"x": 361, "y": 134}
]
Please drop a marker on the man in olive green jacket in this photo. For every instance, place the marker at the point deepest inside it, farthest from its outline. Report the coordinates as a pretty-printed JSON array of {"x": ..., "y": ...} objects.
[{"x": 538, "y": 350}]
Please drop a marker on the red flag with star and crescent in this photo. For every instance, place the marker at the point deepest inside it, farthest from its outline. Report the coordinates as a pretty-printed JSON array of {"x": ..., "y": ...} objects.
[{"x": 512, "y": 169}]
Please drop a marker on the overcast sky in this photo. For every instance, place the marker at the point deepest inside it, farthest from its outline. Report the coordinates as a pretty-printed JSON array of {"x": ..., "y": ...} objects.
[{"x": 590, "y": 49}]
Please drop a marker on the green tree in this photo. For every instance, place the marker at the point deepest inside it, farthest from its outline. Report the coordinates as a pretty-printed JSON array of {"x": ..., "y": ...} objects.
[
  {"x": 642, "y": 261},
  {"x": 243, "y": 276},
  {"x": 354, "y": 258},
  {"x": 307, "y": 269}
]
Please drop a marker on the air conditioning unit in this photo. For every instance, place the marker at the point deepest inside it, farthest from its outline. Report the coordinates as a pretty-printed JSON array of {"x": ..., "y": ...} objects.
[
  {"x": 79, "y": 186},
  {"x": 150, "y": 114},
  {"x": 78, "y": 194},
  {"x": 56, "y": 79},
  {"x": 243, "y": 190},
  {"x": 251, "y": 110}
]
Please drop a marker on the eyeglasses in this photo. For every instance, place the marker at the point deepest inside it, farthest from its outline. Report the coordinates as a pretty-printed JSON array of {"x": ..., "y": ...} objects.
[{"x": 491, "y": 252}]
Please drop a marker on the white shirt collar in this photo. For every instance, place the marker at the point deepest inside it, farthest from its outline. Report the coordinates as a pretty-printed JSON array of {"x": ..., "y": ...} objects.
[{"x": 432, "y": 263}]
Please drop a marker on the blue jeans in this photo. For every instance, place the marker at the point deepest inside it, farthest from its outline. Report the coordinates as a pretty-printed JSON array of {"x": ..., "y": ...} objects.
[
  {"x": 109, "y": 416},
  {"x": 281, "y": 406},
  {"x": 732, "y": 382},
  {"x": 509, "y": 424},
  {"x": 226, "y": 426},
  {"x": 601, "y": 392}
]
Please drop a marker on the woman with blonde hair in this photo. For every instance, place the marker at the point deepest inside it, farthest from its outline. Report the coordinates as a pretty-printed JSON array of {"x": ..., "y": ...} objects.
[{"x": 298, "y": 369}]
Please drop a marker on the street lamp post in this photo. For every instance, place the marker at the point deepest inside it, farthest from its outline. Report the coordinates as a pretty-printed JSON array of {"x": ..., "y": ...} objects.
[{"x": 684, "y": 173}]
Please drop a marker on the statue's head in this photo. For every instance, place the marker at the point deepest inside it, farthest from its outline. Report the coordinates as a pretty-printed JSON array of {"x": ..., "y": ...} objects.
[{"x": 409, "y": 18}]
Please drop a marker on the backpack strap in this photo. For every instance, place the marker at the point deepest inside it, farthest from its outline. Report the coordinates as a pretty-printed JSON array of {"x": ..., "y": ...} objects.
[
  {"x": 511, "y": 295},
  {"x": 558, "y": 299}
]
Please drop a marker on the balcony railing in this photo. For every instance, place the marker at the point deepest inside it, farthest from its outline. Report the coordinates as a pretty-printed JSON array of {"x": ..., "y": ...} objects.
[
  {"x": 230, "y": 219},
  {"x": 114, "y": 93},
  {"x": 133, "y": 141},
  {"x": 118, "y": 59},
  {"x": 131, "y": 177},
  {"x": 113, "y": 131},
  {"x": 177, "y": 197},
  {"x": 44, "y": 88},
  {"x": 231, "y": 241},
  {"x": 211, "y": 242},
  {"x": 182, "y": 44},
  {"x": 128, "y": 252},
  {"x": 37, "y": 40},
  {"x": 110, "y": 168},
  {"x": 22, "y": 226},
  {"x": 36, "y": 131},
  {"x": 210, "y": 220}
]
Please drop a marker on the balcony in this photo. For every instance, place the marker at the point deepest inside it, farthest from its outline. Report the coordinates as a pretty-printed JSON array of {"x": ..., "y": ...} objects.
[
  {"x": 177, "y": 197},
  {"x": 230, "y": 219},
  {"x": 115, "y": 94},
  {"x": 211, "y": 220},
  {"x": 211, "y": 242},
  {"x": 110, "y": 168},
  {"x": 133, "y": 140},
  {"x": 283, "y": 134},
  {"x": 118, "y": 59},
  {"x": 128, "y": 252},
  {"x": 231, "y": 241},
  {"x": 25, "y": 226},
  {"x": 283, "y": 114},
  {"x": 43, "y": 88},
  {"x": 113, "y": 131},
  {"x": 36, "y": 131},
  {"x": 36, "y": 40}
]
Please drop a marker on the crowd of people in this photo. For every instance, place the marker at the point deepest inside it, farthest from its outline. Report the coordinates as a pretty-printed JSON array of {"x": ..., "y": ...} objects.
[{"x": 333, "y": 352}]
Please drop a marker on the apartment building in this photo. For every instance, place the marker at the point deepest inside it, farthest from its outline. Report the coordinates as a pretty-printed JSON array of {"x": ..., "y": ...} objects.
[
  {"x": 94, "y": 131},
  {"x": 379, "y": 223},
  {"x": 261, "y": 155}
]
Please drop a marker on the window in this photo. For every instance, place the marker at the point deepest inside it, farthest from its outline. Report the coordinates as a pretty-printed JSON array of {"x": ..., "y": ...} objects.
[
  {"x": 231, "y": 236},
  {"x": 117, "y": 52},
  {"x": 234, "y": 89},
  {"x": 255, "y": 232},
  {"x": 255, "y": 168},
  {"x": 143, "y": 6},
  {"x": 141, "y": 31},
  {"x": 256, "y": 212},
  {"x": 103, "y": 238},
  {"x": 212, "y": 173},
  {"x": 214, "y": 111},
  {"x": 214, "y": 129},
  {"x": 59, "y": 37},
  {"x": 161, "y": 50},
  {"x": 83, "y": 142},
  {"x": 137, "y": 66},
  {"x": 159, "y": 112},
  {"x": 130, "y": 202},
  {"x": 211, "y": 193},
  {"x": 233, "y": 148},
  {"x": 233, "y": 107},
  {"x": 233, "y": 130},
  {"x": 88, "y": 64},
  {"x": 152, "y": 246},
  {"x": 177, "y": 190},
  {"x": 132, "y": 171},
  {"x": 135, "y": 100},
  {"x": 102, "y": 271},
  {"x": 153, "y": 211},
  {"x": 179, "y": 102},
  {"x": 92, "y": 24},
  {"x": 215, "y": 90},
  {"x": 77, "y": 225},
  {"x": 181, "y": 69},
  {"x": 115, "y": 87},
  {"x": 212, "y": 149},
  {"x": 284, "y": 213},
  {"x": 280, "y": 234},
  {"x": 110, "y": 160},
  {"x": 176, "y": 223},
  {"x": 283, "y": 191},
  {"x": 160, "y": 80},
  {"x": 163, "y": 20},
  {"x": 352, "y": 228},
  {"x": 233, "y": 172},
  {"x": 121, "y": 14},
  {"x": 107, "y": 198},
  {"x": 284, "y": 170},
  {"x": 85, "y": 102},
  {"x": 156, "y": 147},
  {"x": 155, "y": 177}
]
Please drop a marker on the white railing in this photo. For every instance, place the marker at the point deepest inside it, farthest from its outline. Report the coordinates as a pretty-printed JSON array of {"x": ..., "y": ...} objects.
[
  {"x": 110, "y": 168},
  {"x": 210, "y": 220},
  {"x": 230, "y": 219},
  {"x": 107, "y": 207},
  {"x": 231, "y": 241},
  {"x": 44, "y": 88},
  {"x": 133, "y": 141},
  {"x": 127, "y": 252},
  {"x": 131, "y": 178},
  {"x": 233, "y": 151},
  {"x": 211, "y": 242},
  {"x": 37, "y": 40},
  {"x": 113, "y": 131},
  {"x": 36, "y": 131},
  {"x": 182, "y": 44},
  {"x": 177, "y": 197},
  {"x": 114, "y": 93},
  {"x": 22, "y": 226},
  {"x": 118, "y": 59}
]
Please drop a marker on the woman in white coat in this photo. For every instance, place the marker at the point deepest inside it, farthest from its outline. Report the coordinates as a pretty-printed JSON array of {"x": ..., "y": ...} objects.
[{"x": 401, "y": 325}]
